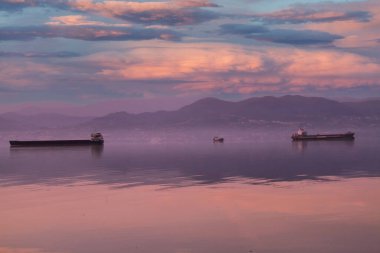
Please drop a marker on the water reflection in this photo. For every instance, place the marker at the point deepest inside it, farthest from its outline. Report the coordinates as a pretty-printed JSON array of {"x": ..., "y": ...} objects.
[
  {"x": 258, "y": 196},
  {"x": 302, "y": 145},
  {"x": 95, "y": 150},
  {"x": 334, "y": 217},
  {"x": 179, "y": 164}
]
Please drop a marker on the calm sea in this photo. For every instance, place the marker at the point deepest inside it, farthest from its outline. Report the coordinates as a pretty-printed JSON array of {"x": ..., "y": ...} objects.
[{"x": 170, "y": 192}]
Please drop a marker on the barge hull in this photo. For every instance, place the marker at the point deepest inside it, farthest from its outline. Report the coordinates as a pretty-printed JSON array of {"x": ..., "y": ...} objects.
[
  {"x": 321, "y": 137},
  {"x": 54, "y": 143}
]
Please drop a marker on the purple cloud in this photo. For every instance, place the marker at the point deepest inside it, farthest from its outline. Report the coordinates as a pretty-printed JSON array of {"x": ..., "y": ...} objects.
[
  {"x": 185, "y": 12},
  {"x": 302, "y": 15},
  {"x": 283, "y": 36},
  {"x": 242, "y": 29},
  {"x": 89, "y": 33},
  {"x": 296, "y": 37},
  {"x": 16, "y": 5},
  {"x": 62, "y": 54},
  {"x": 12, "y": 5}
]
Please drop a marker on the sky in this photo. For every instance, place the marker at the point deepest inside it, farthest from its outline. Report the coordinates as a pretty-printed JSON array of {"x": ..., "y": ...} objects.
[{"x": 100, "y": 55}]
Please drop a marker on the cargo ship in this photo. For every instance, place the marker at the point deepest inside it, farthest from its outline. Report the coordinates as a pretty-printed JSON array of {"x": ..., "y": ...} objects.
[
  {"x": 96, "y": 139},
  {"x": 301, "y": 135}
]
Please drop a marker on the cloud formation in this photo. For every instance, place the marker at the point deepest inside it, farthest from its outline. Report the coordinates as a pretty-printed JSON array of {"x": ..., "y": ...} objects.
[
  {"x": 13, "y": 5},
  {"x": 357, "y": 34},
  {"x": 26, "y": 75},
  {"x": 16, "y": 5},
  {"x": 179, "y": 68},
  {"x": 175, "y": 12},
  {"x": 305, "y": 47},
  {"x": 284, "y": 36},
  {"x": 88, "y": 33},
  {"x": 236, "y": 69},
  {"x": 62, "y": 54},
  {"x": 304, "y": 15},
  {"x": 296, "y": 37},
  {"x": 78, "y": 20},
  {"x": 242, "y": 29},
  {"x": 171, "y": 12}
]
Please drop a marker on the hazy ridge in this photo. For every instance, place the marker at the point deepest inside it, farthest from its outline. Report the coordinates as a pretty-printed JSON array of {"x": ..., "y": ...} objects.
[
  {"x": 253, "y": 112},
  {"x": 209, "y": 112}
]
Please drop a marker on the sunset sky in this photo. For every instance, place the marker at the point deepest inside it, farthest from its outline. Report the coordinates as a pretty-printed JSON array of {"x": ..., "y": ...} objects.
[{"x": 146, "y": 55}]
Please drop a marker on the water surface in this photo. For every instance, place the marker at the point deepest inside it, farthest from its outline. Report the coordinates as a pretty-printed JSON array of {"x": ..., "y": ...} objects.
[{"x": 182, "y": 193}]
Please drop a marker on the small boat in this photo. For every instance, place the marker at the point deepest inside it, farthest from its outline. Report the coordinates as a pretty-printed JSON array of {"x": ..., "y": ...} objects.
[
  {"x": 218, "y": 139},
  {"x": 301, "y": 135},
  {"x": 96, "y": 139}
]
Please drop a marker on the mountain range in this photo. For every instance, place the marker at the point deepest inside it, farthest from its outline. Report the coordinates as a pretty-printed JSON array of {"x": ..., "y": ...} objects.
[{"x": 256, "y": 111}]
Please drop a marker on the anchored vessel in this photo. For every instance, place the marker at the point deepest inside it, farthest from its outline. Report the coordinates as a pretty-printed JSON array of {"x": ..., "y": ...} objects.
[
  {"x": 217, "y": 139},
  {"x": 96, "y": 139},
  {"x": 301, "y": 135}
]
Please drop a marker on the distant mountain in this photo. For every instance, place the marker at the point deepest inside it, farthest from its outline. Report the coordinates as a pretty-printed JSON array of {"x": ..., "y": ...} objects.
[
  {"x": 211, "y": 112},
  {"x": 286, "y": 108},
  {"x": 261, "y": 111},
  {"x": 370, "y": 108}
]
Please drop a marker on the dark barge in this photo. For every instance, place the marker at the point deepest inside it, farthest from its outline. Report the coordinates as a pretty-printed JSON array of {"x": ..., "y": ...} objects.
[
  {"x": 302, "y": 135},
  {"x": 96, "y": 139}
]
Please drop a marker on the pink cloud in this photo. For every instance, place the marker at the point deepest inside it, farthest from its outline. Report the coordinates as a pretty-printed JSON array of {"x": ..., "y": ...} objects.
[
  {"x": 120, "y": 7},
  {"x": 210, "y": 67},
  {"x": 176, "y": 61},
  {"x": 356, "y": 34},
  {"x": 27, "y": 74},
  {"x": 196, "y": 68},
  {"x": 80, "y": 20},
  {"x": 86, "y": 32},
  {"x": 306, "y": 15},
  {"x": 173, "y": 12}
]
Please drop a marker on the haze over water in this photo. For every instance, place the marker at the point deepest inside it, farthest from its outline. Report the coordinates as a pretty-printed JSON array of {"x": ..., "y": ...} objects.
[{"x": 167, "y": 194}]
